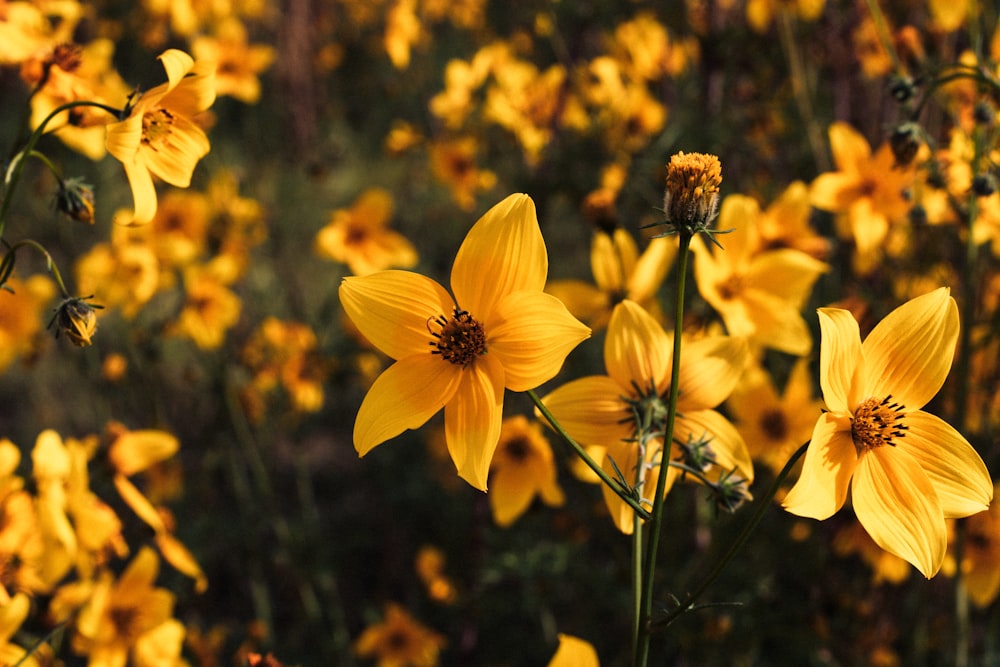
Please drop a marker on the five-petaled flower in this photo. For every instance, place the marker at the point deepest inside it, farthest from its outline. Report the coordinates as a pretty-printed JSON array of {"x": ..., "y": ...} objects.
[
  {"x": 159, "y": 137},
  {"x": 500, "y": 330},
  {"x": 907, "y": 470}
]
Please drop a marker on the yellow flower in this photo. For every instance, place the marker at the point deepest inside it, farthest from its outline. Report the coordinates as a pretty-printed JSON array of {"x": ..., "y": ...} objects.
[
  {"x": 774, "y": 425},
  {"x": 500, "y": 330},
  {"x": 237, "y": 62},
  {"x": 399, "y": 641},
  {"x": 453, "y": 162},
  {"x": 598, "y": 410},
  {"x": 619, "y": 273},
  {"x": 21, "y": 309},
  {"x": 761, "y": 13},
  {"x": 158, "y": 137},
  {"x": 211, "y": 308},
  {"x": 118, "y": 614},
  {"x": 522, "y": 467},
  {"x": 869, "y": 190},
  {"x": 758, "y": 294},
  {"x": 574, "y": 652},
  {"x": 359, "y": 236},
  {"x": 907, "y": 470}
]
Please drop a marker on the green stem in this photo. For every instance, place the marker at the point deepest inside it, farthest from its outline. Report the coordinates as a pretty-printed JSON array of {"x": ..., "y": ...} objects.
[
  {"x": 656, "y": 524},
  {"x": 762, "y": 506},
  {"x": 13, "y": 175},
  {"x": 49, "y": 262},
  {"x": 612, "y": 483}
]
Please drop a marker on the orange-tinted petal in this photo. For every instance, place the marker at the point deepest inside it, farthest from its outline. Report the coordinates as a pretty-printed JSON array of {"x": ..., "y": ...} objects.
[
  {"x": 834, "y": 191},
  {"x": 573, "y": 652},
  {"x": 531, "y": 333},
  {"x": 404, "y": 396},
  {"x": 851, "y": 150},
  {"x": 636, "y": 349},
  {"x": 959, "y": 476},
  {"x": 840, "y": 358},
  {"x": 591, "y": 409},
  {"x": 177, "y": 64},
  {"x": 710, "y": 369},
  {"x": 826, "y": 472},
  {"x": 511, "y": 493},
  {"x": 392, "y": 309},
  {"x": 472, "y": 419},
  {"x": 909, "y": 353},
  {"x": 503, "y": 253},
  {"x": 896, "y": 503}
]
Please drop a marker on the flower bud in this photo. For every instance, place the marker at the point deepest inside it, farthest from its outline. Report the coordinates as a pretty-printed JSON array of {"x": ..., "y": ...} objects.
[
  {"x": 905, "y": 142},
  {"x": 76, "y": 199},
  {"x": 692, "y": 195},
  {"x": 77, "y": 319}
]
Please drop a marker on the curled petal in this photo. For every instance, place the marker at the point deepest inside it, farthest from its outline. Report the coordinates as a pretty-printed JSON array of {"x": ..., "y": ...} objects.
[
  {"x": 829, "y": 463},
  {"x": 909, "y": 353},
  {"x": 472, "y": 420},
  {"x": 392, "y": 309},
  {"x": 177, "y": 64},
  {"x": 503, "y": 253},
  {"x": 840, "y": 358},
  {"x": 404, "y": 396},
  {"x": 531, "y": 333},
  {"x": 636, "y": 349},
  {"x": 896, "y": 503},
  {"x": 956, "y": 471}
]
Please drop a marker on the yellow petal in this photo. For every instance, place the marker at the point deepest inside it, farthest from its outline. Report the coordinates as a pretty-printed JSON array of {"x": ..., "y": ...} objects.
[
  {"x": 194, "y": 93},
  {"x": 511, "y": 493},
  {"x": 897, "y": 505},
  {"x": 834, "y": 191},
  {"x": 850, "y": 149},
  {"x": 776, "y": 323},
  {"x": 738, "y": 213},
  {"x": 178, "y": 555},
  {"x": 503, "y": 253},
  {"x": 404, "y": 396},
  {"x": 786, "y": 273},
  {"x": 636, "y": 349},
  {"x": 174, "y": 160},
  {"x": 176, "y": 63},
  {"x": 959, "y": 476},
  {"x": 623, "y": 457},
  {"x": 123, "y": 138},
  {"x": 531, "y": 333},
  {"x": 651, "y": 268},
  {"x": 826, "y": 472},
  {"x": 143, "y": 192},
  {"x": 581, "y": 299},
  {"x": 141, "y": 572},
  {"x": 611, "y": 259},
  {"x": 392, "y": 309},
  {"x": 869, "y": 226},
  {"x": 840, "y": 358},
  {"x": 135, "y": 451},
  {"x": 710, "y": 369},
  {"x": 909, "y": 353},
  {"x": 591, "y": 410},
  {"x": 472, "y": 420},
  {"x": 139, "y": 504},
  {"x": 573, "y": 652}
]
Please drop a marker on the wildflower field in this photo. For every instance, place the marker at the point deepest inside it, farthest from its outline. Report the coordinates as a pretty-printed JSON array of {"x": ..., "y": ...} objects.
[{"x": 469, "y": 332}]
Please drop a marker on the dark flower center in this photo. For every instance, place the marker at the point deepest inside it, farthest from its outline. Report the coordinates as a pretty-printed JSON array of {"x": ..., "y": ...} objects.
[
  {"x": 774, "y": 424},
  {"x": 460, "y": 340},
  {"x": 876, "y": 423}
]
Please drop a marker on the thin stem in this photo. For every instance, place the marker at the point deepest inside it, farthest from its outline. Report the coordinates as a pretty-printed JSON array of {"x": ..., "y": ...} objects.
[
  {"x": 656, "y": 524},
  {"x": 612, "y": 483},
  {"x": 13, "y": 175},
  {"x": 762, "y": 506},
  {"x": 637, "y": 528},
  {"x": 49, "y": 262}
]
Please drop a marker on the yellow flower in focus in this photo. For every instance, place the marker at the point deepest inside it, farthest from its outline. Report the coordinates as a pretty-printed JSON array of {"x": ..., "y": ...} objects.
[
  {"x": 907, "y": 470},
  {"x": 868, "y": 191},
  {"x": 359, "y": 236},
  {"x": 399, "y": 641},
  {"x": 522, "y": 468},
  {"x": 574, "y": 652},
  {"x": 21, "y": 315},
  {"x": 619, "y": 273},
  {"x": 758, "y": 294},
  {"x": 500, "y": 330},
  {"x": 774, "y": 425},
  {"x": 599, "y": 410},
  {"x": 118, "y": 614},
  {"x": 159, "y": 136},
  {"x": 238, "y": 64},
  {"x": 210, "y": 309}
]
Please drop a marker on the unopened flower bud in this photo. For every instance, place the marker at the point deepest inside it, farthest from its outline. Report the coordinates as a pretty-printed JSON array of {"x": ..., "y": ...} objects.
[
  {"x": 692, "y": 195},
  {"x": 77, "y": 319},
  {"x": 76, "y": 199},
  {"x": 983, "y": 185}
]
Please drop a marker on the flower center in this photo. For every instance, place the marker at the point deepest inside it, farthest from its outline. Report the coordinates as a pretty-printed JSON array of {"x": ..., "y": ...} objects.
[
  {"x": 730, "y": 288},
  {"x": 156, "y": 127},
  {"x": 774, "y": 424},
  {"x": 876, "y": 423},
  {"x": 460, "y": 340}
]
